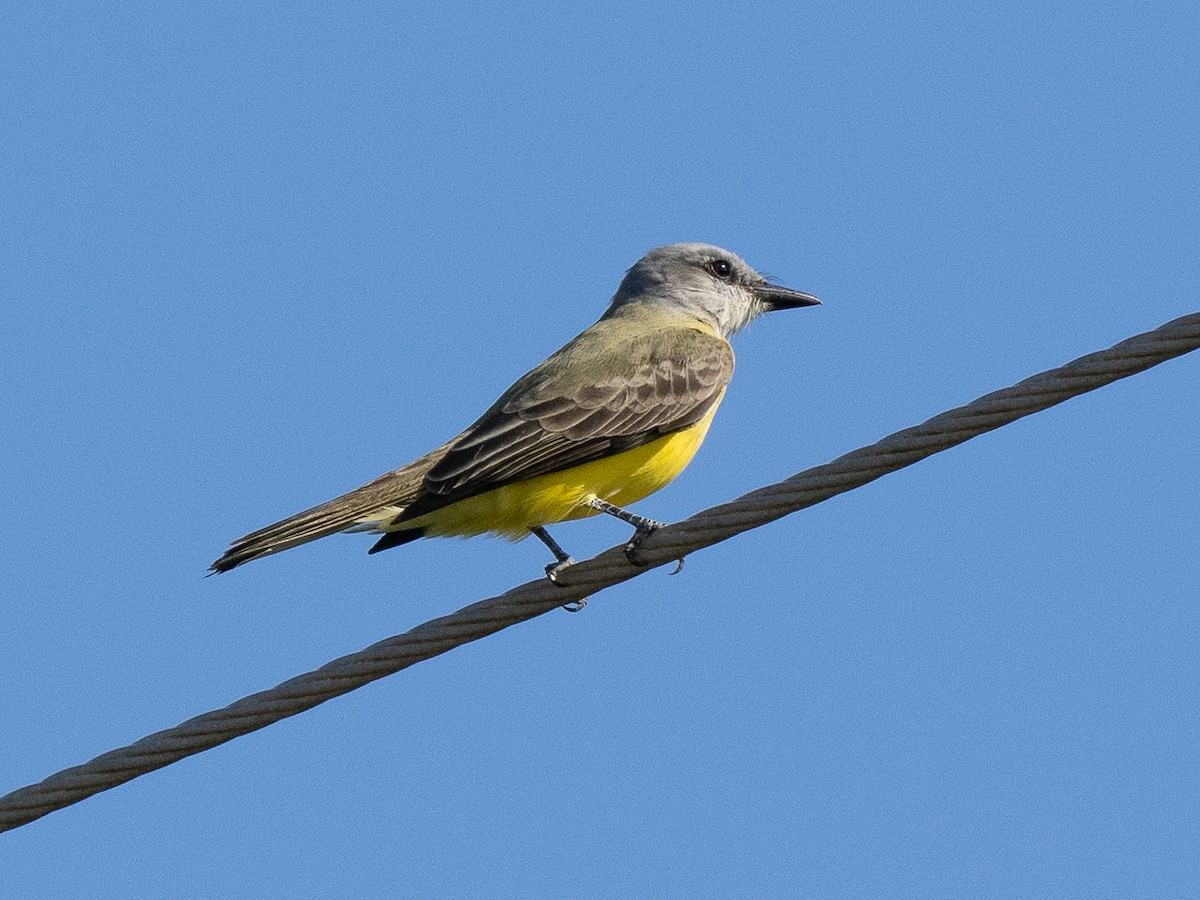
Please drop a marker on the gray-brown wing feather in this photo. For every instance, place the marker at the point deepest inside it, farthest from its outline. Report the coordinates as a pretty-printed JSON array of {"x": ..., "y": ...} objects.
[{"x": 546, "y": 423}]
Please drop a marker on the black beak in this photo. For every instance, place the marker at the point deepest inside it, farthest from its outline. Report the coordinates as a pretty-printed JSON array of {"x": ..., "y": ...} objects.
[{"x": 774, "y": 296}]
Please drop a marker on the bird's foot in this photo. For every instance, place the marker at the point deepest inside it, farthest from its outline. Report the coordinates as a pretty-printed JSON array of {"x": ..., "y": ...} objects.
[
  {"x": 643, "y": 527},
  {"x": 553, "y": 570},
  {"x": 647, "y": 527}
]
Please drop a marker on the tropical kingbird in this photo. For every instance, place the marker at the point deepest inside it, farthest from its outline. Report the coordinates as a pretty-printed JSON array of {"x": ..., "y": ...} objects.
[{"x": 613, "y": 416}]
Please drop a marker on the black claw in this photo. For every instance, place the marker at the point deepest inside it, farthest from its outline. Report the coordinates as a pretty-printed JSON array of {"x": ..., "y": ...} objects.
[
  {"x": 679, "y": 567},
  {"x": 575, "y": 605}
]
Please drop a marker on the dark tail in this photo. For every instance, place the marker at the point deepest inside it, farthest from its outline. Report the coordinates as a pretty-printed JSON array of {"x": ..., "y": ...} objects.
[
  {"x": 354, "y": 510},
  {"x": 328, "y": 518}
]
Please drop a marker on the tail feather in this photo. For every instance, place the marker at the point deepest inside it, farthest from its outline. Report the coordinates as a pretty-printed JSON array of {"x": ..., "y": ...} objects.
[
  {"x": 366, "y": 508},
  {"x": 328, "y": 518}
]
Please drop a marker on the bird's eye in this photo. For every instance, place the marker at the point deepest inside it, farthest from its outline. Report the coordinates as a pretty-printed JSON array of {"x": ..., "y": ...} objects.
[{"x": 721, "y": 268}]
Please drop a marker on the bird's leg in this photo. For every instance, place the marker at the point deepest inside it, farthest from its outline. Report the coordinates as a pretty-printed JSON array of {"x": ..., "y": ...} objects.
[
  {"x": 641, "y": 527},
  {"x": 562, "y": 560}
]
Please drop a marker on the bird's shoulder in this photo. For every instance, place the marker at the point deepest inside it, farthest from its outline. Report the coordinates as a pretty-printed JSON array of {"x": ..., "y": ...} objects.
[
  {"x": 616, "y": 366},
  {"x": 613, "y": 357}
]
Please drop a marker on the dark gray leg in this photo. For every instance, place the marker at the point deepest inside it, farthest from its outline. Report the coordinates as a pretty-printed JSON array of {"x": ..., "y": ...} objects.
[
  {"x": 562, "y": 560},
  {"x": 641, "y": 525},
  {"x": 561, "y": 557}
]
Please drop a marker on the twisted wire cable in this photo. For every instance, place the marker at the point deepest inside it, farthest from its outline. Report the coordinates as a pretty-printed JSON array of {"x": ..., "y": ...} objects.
[{"x": 611, "y": 567}]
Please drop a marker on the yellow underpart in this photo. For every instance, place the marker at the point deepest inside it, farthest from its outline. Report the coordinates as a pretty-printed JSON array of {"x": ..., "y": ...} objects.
[{"x": 621, "y": 479}]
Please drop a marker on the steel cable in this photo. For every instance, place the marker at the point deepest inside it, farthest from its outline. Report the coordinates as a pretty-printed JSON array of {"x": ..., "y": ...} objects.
[{"x": 704, "y": 529}]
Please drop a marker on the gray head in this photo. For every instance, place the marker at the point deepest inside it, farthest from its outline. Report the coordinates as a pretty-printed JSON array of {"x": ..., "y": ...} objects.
[{"x": 705, "y": 282}]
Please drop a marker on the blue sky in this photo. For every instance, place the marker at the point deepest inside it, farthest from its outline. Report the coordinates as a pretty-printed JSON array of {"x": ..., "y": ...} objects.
[{"x": 254, "y": 256}]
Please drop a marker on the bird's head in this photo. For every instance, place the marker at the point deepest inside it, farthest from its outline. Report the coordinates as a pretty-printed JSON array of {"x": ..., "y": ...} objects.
[{"x": 705, "y": 282}]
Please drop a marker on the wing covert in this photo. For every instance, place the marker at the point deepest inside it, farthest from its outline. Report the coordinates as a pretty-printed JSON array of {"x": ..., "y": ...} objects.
[{"x": 581, "y": 405}]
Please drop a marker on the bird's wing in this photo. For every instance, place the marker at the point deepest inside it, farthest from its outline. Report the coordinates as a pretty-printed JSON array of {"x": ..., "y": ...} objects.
[{"x": 597, "y": 396}]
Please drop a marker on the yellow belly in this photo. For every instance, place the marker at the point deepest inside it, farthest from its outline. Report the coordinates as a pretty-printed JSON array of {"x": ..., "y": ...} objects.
[{"x": 621, "y": 479}]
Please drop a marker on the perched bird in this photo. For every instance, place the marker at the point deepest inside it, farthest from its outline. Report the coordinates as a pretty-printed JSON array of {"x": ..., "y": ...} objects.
[{"x": 613, "y": 416}]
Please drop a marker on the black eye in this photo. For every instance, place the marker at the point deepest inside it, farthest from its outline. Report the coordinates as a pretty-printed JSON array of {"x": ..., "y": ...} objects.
[{"x": 721, "y": 268}]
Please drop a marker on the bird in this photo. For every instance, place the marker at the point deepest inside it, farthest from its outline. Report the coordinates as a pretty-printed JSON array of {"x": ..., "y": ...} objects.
[{"x": 611, "y": 417}]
